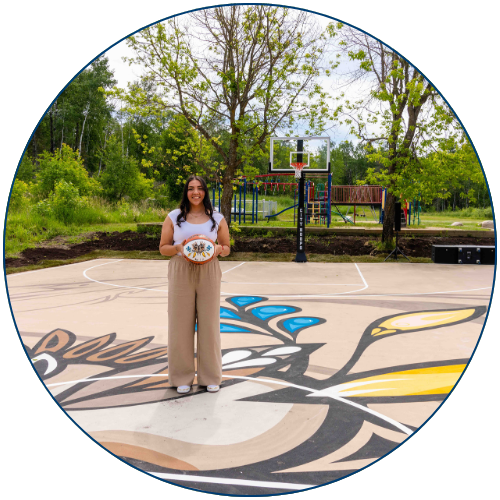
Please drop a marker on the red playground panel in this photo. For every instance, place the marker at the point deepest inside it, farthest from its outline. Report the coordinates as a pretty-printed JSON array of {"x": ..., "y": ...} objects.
[{"x": 357, "y": 195}]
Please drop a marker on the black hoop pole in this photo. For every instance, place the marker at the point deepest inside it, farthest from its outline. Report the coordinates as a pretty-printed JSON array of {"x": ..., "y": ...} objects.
[{"x": 301, "y": 226}]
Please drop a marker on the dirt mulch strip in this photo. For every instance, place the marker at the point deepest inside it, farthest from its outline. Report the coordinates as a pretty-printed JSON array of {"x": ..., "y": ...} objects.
[
  {"x": 133, "y": 241},
  {"x": 347, "y": 245}
]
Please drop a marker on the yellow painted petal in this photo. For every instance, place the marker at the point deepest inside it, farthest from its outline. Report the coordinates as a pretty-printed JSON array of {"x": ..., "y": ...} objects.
[
  {"x": 421, "y": 320},
  {"x": 434, "y": 380}
]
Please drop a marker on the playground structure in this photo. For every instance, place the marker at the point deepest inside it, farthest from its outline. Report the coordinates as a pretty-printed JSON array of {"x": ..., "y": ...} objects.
[
  {"x": 409, "y": 209},
  {"x": 322, "y": 200}
]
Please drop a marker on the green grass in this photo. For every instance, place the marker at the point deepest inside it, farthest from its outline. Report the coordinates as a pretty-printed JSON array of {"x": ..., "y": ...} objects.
[{"x": 26, "y": 228}]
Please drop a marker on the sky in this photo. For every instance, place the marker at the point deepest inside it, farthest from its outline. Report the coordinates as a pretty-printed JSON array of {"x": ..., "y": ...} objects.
[
  {"x": 125, "y": 73},
  {"x": 334, "y": 85}
]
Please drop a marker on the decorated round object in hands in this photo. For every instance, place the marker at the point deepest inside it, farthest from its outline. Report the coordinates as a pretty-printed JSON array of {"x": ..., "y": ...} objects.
[{"x": 199, "y": 249}]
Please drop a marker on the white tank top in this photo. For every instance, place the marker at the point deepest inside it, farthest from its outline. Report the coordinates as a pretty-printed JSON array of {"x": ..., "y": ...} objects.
[{"x": 187, "y": 229}]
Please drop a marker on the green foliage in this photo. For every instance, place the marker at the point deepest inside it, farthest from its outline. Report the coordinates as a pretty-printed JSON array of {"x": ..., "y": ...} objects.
[
  {"x": 385, "y": 246},
  {"x": 186, "y": 152},
  {"x": 234, "y": 230},
  {"x": 80, "y": 117},
  {"x": 19, "y": 196},
  {"x": 64, "y": 165},
  {"x": 416, "y": 147},
  {"x": 349, "y": 164},
  {"x": 66, "y": 201},
  {"x": 43, "y": 208},
  {"x": 122, "y": 177},
  {"x": 466, "y": 213},
  {"x": 63, "y": 204},
  {"x": 453, "y": 169},
  {"x": 150, "y": 229},
  {"x": 26, "y": 170},
  {"x": 255, "y": 72}
]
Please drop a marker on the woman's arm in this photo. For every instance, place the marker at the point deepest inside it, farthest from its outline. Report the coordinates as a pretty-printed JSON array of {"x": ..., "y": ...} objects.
[
  {"x": 167, "y": 238},
  {"x": 223, "y": 248}
]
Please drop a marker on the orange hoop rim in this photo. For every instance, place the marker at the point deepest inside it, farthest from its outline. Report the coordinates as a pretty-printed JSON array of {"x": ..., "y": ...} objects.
[{"x": 298, "y": 165}]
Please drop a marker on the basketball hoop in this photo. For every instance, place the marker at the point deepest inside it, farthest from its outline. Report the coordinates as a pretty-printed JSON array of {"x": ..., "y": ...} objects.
[{"x": 298, "y": 166}]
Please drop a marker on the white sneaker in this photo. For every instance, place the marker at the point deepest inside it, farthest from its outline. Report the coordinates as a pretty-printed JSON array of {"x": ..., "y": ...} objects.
[
  {"x": 213, "y": 388},
  {"x": 183, "y": 389}
]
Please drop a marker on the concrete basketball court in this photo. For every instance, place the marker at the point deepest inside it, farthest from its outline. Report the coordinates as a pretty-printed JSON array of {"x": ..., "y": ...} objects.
[{"x": 327, "y": 367}]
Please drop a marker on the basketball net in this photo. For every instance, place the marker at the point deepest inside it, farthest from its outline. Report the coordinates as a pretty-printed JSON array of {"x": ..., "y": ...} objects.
[{"x": 297, "y": 166}]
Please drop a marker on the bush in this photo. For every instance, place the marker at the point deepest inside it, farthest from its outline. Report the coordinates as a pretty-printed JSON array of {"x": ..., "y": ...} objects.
[
  {"x": 25, "y": 172},
  {"x": 19, "y": 195},
  {"x": 43, "y": 208},
  {"x": 472, "y": 213},
  {"x": 65, "y": 201},
  {"x": 122, "y": 177},
  {"x": 151, "y": 229},
  {"x": 64, "y": 165},
  {"x": 64, "y": 204},
  {"x": 481, "y": 213}
]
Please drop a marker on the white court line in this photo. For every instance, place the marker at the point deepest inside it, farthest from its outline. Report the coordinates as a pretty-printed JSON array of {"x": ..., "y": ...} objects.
[
  {"x": 303, "y": 296},
  {"x": 223, "y": 480},
  {"x": 133, "y": 287},
  {"x": 346, "y": 295},
  {"x": 54, "y": 267},
  {"x": 118, "y": 286},
  {"x": 234, "y": 267},
  {"x": 304, "y": 284},
  {"x": 395, "y": 423},
  {"x": 362, "y": 277}
]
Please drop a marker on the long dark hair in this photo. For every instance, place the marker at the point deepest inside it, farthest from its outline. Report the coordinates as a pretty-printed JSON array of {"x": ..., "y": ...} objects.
[{"x": 185, "y": 206}]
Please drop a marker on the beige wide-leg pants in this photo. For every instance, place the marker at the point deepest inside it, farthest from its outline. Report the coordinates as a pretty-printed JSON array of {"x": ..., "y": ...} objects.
[{"x": 194, "y": 294}]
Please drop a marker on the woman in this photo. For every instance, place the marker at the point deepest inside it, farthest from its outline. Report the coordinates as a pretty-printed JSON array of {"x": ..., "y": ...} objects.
[{"x": 194, "y": 290}]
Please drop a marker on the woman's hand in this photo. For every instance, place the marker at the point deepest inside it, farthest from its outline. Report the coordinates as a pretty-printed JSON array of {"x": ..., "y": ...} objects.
[
  {"x": 218, "y": 250},
  {"x": 180, "y": 248}
]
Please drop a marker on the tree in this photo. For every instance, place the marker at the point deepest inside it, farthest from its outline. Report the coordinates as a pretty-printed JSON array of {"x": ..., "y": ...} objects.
[
  {"x": 450, "y": 171},
  {"x": 25, "y": 171},
  {"x": 349, "y": 163},
  {"x": 122, "y": 177},
  {"x": 253, "y": 68},
  {"x": 400, "y": 120},
  {"x": 172, "y": 156},
  {"x": 78, "y": 117},
  {"x": 64, "y": 165}
]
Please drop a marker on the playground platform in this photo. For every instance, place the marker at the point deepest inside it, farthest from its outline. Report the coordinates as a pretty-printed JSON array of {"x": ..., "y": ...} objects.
[{"x": 326, "y": 367}]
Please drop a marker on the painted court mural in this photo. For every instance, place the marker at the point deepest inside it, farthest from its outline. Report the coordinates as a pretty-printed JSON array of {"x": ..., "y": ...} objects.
[{"x": 280, "y": 422}]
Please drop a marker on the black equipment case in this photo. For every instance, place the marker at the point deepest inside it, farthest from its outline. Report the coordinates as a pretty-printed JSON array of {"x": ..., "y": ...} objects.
[{"x": 463, "y": 254}]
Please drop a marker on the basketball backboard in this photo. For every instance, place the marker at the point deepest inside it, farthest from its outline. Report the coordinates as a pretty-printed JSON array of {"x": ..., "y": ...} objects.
[{"x": 313, "y": 151}]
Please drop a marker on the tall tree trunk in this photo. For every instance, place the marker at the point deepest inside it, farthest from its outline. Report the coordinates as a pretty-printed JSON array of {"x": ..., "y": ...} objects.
[
  {"x": 85, "y": 114},
  {"x": 228, "y": 176},
  {"x": 77, "y": 133},
  {"x": 103, "y": 149},
  {"x": 388, "y": 226}
]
